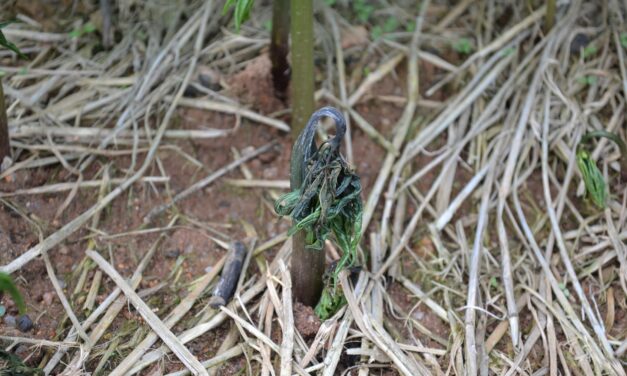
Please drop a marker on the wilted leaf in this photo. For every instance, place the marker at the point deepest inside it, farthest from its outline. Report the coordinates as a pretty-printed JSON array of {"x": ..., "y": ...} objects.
[{"x": 6, "y": 44}]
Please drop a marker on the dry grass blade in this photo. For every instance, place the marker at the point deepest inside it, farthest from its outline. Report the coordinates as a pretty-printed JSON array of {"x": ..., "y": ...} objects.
[
  {"x": 157, "y": 325},
  {"x": 178, "y": 312},
  {"x": 287, "y": 343}
]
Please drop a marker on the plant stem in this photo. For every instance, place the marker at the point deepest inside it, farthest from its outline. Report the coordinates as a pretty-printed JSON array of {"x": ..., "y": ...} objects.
[
  {"x": 550, "y": 15},
  {"x": 307, "y": 268},
  {"x": 5, "y": 147},
  {"x": 279, "y": 46},
  {"x": 302, "y": 64},
  {"x": 307, "y": 265}
]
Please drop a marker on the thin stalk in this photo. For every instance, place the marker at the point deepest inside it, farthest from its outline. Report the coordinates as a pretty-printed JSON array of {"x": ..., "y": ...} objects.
[
  {"x": 279, "y": 46},
  {"x": 550, "y": 15},
  {"x": 5, "y": 147},
  {"x": 302, "y": 63}
]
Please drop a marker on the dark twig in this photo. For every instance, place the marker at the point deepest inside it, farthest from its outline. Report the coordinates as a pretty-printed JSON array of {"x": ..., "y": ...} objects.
[{"x": 230, "y": 275}]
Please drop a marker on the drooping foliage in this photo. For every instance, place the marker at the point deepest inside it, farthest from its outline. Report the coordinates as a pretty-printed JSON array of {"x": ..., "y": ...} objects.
[{"x": 327, "y": 202}]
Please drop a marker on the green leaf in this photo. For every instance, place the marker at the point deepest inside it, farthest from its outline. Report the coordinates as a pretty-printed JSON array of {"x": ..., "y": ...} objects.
[
  {"x": 268, "y": 25},
  {"x": 493, "y": 282},
  {"x": 390, "y": 25},
  {"x": 89, "y": 28},
  {"x": 8, "y": 45},
  {"x": 592, "y": 178},
  {"x": 508, "y": 51},
  {"x": 463, "y": 46},
  {"x": 376, "y": 32},
  {"x": 587, "y": 80},
  {"x": 242, "y": 11},
  {"x": 6, "y": 284},
  {"x": 82, "y": 30},
  {"x": 589, "y": 51}
]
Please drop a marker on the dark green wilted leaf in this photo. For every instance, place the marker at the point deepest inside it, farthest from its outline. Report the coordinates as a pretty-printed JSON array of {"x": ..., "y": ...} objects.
[
  {"x": 14, "y": 366},
  {"x": 328, "y": 202},
  {"x": 8, "y": 45}
]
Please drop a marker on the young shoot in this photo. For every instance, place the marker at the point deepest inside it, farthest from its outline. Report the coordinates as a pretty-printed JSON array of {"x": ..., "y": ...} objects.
[{"x": 592, "y": 177}]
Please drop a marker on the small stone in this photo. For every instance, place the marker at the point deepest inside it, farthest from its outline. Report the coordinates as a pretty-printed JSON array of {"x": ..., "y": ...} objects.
[
  {"x": 64, "y": 250},
  {"x": 9, "y": 320},
  {"x": 173, "y": 253},
  {"x": 270, "y": 173},
  {"x": 268, "y": 157},
  {"x": 3, "y": 310},
  {"x": 580, "y": 41},
  {"x": 22, "y": 351},
  {"x": 209, "y": 78},
  {"x": 24, "y": 323},
  {"x": 47, "y": 298}
]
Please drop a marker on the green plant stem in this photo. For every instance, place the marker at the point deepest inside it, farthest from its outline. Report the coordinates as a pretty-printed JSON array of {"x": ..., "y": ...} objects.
[
  {"x": 307, "y": 267},
  {"x": 550, "y": 15},
  {"x": 302, "y": 63},
  {"x": 5, "y": 147},
  {"x": 279, "y": 46}
]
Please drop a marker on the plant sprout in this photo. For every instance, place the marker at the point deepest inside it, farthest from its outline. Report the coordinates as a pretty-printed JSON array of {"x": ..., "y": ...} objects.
[
  {"x": 592, "y": 177},
  {"x": 325, "y": 200},
  {"x": 463, "y": 46}
]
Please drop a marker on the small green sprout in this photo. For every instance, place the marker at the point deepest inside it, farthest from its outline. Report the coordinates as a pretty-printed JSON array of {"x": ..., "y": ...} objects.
[
  {"x": 623, "y": 39},
  {"x": 564, "y": 289},
  {"x": 493, "y": 282},
  {"x": 463, "y": 46},
  {"x": 508, "y": 51},
  {"x": 376, "y": 32},
  {"x": 592, "y": 177},
  {"x": 589, "y": 51},
  {"x": 390, "y": 25},
  {"x": 268, "y": 25},
  {"x": 85, "y": 29},
  {"x": 363, "y": 9},
  {"x": 242, "y": 11},
  {"x": 587, "y": 80}
]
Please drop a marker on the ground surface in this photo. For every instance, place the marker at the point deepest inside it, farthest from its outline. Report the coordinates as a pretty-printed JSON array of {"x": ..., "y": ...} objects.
[{"x": 445, "y": 265}]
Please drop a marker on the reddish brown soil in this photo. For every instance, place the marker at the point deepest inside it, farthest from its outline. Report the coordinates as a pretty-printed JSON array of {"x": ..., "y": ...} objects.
[
  {"x": 220, "y": 206},
  {"x": 305, "y": 320}
]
